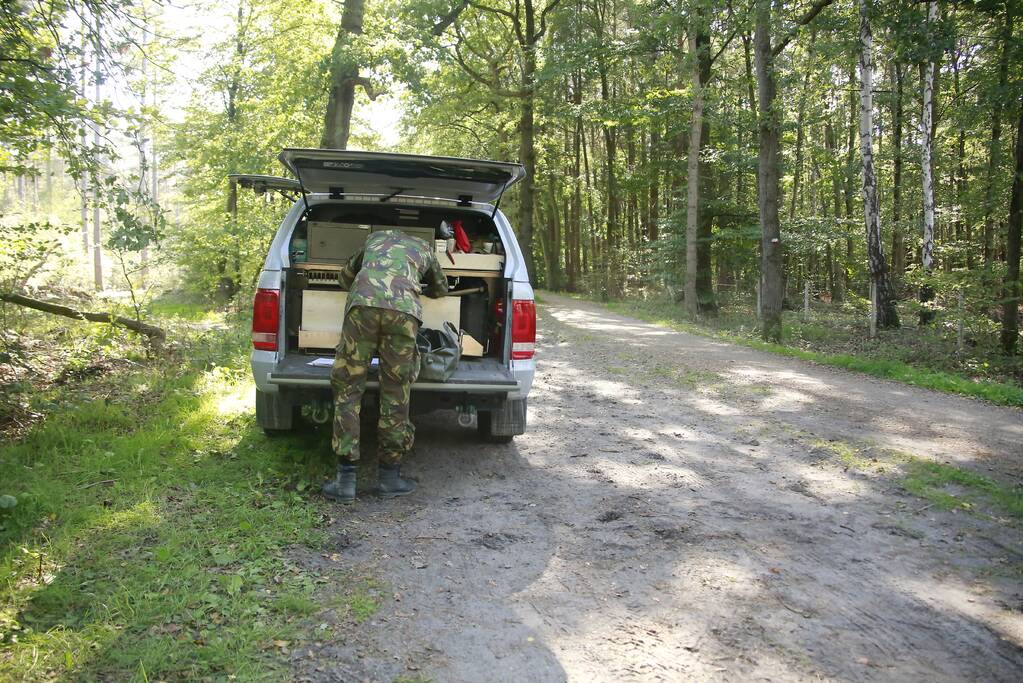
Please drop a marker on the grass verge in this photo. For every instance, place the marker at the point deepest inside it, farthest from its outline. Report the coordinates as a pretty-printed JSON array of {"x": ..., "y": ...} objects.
[
  {"x": 154, "y": 529},
  {"x": 943, "y": 485},
  {"x": 673, "y": 317}
]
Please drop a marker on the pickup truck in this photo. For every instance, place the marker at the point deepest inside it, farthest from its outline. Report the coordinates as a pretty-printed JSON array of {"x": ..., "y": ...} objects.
[{"x": 339, "y": 198}]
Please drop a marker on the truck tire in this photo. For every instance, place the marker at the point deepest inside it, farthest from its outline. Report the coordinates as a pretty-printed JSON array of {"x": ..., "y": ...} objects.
[
  {"x": 502, "y": 424},
  {"x": 275, "y": 413}
]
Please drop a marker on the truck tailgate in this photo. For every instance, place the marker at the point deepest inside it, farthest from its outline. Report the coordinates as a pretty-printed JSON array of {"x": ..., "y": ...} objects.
[{"x": 482, "y": 375}]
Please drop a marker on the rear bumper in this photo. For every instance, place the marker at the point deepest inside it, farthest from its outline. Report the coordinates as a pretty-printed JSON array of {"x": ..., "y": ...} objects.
[
  {"x": 477, "y": 377},
  {"x": 372, "y": 385}
]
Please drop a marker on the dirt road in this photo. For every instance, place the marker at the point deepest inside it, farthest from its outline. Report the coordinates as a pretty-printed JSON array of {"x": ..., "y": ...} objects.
[{"x": 680, "y": 510}]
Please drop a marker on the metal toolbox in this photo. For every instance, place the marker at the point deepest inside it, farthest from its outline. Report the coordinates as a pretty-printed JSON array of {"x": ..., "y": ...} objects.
[{"x": 335, "y": 242}]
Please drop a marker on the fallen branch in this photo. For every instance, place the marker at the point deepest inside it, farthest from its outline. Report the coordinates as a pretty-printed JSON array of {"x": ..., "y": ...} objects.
[
  {"x": 154, "y": 333},
  {"x": 105, "y": 482}
]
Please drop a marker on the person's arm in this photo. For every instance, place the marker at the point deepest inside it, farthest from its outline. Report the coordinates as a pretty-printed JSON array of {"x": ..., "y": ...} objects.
[
  {"x": 348, "y": 272},
  {"x": 436, "y": 280}
]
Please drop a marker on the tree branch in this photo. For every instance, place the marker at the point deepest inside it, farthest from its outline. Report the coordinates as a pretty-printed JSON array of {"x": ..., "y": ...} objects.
[
  {"x": 449, "y": 18},
  {"x": 154, "y": 333},
  {"x": 809, "y": 16},
  {"x": 493, "y": 86},
  {"x": 367, "y": 85},
  {"x": 543, "y": 20}
]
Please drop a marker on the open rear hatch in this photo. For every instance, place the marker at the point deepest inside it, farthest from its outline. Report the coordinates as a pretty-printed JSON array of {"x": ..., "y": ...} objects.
[{"x": 341, "y": 172}]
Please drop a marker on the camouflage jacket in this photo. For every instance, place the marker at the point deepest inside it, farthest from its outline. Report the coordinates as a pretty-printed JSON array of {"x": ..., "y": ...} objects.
[{"x": 387, "y": 271}]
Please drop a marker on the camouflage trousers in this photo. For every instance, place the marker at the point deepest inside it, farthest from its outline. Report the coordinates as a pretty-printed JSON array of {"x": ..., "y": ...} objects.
[{"x": 391, "y": 335}]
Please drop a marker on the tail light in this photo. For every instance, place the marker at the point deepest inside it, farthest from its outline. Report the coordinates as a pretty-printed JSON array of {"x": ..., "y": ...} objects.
[
  {"x": 523, "y": 329},
  {"x": 266, "y": 318}
]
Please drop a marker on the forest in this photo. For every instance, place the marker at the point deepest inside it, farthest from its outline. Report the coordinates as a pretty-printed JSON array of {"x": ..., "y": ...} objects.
[
  {"x": 854, "y": 160},
  {"x": 835, "y": 181}
]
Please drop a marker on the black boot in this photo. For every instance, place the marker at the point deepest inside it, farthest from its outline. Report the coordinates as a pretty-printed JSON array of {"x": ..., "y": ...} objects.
[
  {"x": 390, "y": 483},
  {"x": 342, "y": 487}
]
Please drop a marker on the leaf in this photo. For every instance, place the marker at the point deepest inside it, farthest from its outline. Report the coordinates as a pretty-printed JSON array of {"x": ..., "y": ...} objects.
[
  {"x": 232, "y": 583},
  {"x": 7, "y": 502}
]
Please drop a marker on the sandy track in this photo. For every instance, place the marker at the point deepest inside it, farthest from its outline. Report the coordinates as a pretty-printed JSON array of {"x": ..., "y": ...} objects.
[{"x": 674, "y": 512}]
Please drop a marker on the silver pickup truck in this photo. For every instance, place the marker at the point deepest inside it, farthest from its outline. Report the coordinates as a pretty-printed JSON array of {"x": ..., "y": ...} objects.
[{"x": 339, "y": 198}]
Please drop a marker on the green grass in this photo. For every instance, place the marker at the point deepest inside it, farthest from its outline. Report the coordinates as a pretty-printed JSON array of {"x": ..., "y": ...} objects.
[
  {"x": 667, "y": 315},
  {"x": 951, "y": 487},
  {"x": 945, "y": 486},
  {"x": 153, "y": 530}
]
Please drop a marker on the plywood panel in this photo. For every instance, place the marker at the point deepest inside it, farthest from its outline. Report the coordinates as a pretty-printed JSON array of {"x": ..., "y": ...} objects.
[{"x": 322, "y": 312}]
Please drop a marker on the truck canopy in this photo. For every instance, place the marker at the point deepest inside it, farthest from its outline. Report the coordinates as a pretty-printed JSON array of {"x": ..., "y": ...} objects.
[{"x": 341, "y": 172}]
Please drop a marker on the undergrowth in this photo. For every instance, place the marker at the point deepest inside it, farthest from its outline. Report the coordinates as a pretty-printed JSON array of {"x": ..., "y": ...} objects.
[{"x": 154, "y": 522}]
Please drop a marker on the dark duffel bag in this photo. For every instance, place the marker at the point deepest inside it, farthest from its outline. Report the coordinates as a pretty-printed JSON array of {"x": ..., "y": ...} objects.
[{"x": 439, "y": 352}]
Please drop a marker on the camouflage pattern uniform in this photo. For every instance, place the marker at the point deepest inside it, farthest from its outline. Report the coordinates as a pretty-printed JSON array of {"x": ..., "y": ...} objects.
[{"x": 382, "y": 317}]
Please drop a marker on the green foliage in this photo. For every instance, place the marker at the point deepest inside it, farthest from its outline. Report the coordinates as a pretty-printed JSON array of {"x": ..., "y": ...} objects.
[
  {"x": 26, "y": 245},
  {"x": 268, "y": 78},
  {"x": 153, "y": 529},
  {"x": 138, "y": 221}
]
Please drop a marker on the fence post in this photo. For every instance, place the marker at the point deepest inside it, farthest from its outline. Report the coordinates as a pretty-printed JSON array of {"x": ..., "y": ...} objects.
[{"x": 806, "y": 299}]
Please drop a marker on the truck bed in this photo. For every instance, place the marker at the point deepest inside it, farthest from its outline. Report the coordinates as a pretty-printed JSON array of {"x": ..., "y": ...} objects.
[{"x": 476, "y": 375}]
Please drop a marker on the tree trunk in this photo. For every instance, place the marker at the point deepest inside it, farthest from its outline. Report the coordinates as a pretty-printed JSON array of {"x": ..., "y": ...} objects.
[
  {"x": 655, "y": 183},
  {"x": 97, "y": 227},
  {"x": 830, "y": 145},
  {"x": 527, "y": 194},
  {"x": 527, "y": 132},
  {"x": 344, "y": 76},
  {"x": 611, "y": 288},
  {"x": 797, "y": 171},
  {"x": 693, "y": 175},
  {"x": 848, "y": 180},
  {"x": 994, "y": 150},
  {"x": 577, "y": 208},
  {"x": 705, "y": 298},
  {"x": 927, "y": 173},
  {"x": 884, "y": 304},
  {"x": 898, "y": 239},
  {"x": 771, "y": 276},
  {"x": 1011, "y": 293}
]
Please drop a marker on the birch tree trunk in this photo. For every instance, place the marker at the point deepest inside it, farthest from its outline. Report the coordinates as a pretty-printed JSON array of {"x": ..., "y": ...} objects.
[
  {"x": 927, "y": 175},
  {"x": 97, "y": 227},
  {"x": 886, "y": 315},
  {"x": 84, "y": 180},
  {"x": 693, "y": 181}
]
